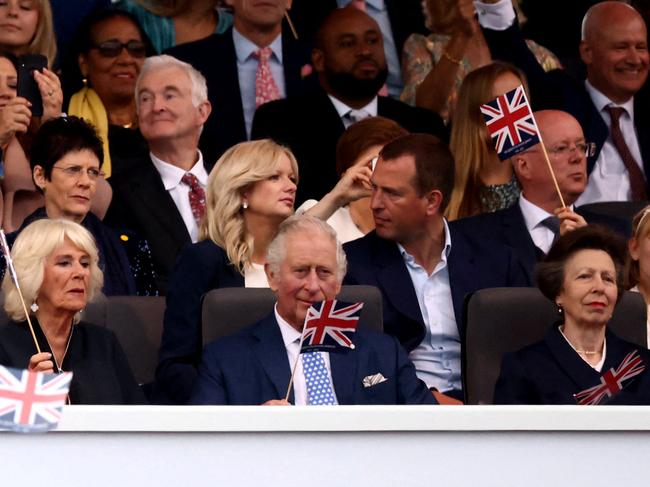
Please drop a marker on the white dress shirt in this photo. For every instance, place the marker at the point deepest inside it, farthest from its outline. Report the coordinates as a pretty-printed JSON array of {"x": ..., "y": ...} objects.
[
  {"x": 609, "y": 179},
  {"x": 171, "y": 178},
  {"x": 534, "y": 216},
  {"x": 437, "y": 357},
  {"x": 291, "y": 339},
  {"x": 370, "y": 110},
  {"x": 341, "y": 221},
  {"x": 247, "y": 69}
]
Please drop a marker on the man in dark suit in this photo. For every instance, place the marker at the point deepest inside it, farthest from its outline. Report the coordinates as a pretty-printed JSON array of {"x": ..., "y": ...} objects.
[
  {"x": 305, "y": 264},
  {"x": 614, "y": 50},
  {"x": 161, "y": 198},
  {"x": 531, "y": 225},
  {"x": 230, "y": 65},
  {"x": 351, "y": 66},
  {"x": 423, "y": 266},
  {"x": 397, "y": 19}
]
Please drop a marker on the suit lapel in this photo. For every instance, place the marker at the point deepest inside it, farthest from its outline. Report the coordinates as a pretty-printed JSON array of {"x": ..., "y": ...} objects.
[
  {"x": 344, "y": 371},
  {"x": 395, "y": 280},
  {"x": 462, "y": 274},
  {"x": 517, "y": 236},
  {"x": 270, "y": 351},
  {"x": 642, "y": 125},
  {"x": 152, "y": 194}
]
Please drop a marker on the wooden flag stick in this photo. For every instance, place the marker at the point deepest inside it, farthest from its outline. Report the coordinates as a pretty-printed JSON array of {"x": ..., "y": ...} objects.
[
  {"x": 14, "y": 277},
  {"x": 293, "y": 29},
  {"x": 550, "y": 168}
]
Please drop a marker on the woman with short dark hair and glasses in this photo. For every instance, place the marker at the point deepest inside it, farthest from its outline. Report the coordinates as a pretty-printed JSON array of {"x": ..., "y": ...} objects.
[
  {"x": 579, "y": 361},
  {"x": 99, "y": 78},
  {"x": 66, "y": 166}
]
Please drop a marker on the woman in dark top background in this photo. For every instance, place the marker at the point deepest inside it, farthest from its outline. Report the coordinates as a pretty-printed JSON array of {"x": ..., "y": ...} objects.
[
  {"x": 56, "y": 265},
  {"x": 579, "y": 361}
]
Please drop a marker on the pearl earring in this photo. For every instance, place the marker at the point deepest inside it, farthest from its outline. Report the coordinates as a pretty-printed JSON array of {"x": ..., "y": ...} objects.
[{"x": 244, "y": 205}]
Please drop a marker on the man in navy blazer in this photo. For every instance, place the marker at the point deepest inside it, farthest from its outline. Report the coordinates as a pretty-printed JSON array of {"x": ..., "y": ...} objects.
[
  {"x": 423, "y": 266},
  {"x": 229, "y": 69},
  {"x": 525, "y": 226},
  {"x": 614, "y": 50},
  {"x": 305, "y": 264}
]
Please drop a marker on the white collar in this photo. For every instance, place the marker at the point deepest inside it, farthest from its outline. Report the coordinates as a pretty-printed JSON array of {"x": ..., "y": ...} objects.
[
  {"x": 244, "y": 47},
  {"x": 289, "y": 333},
  {"x": 171, "y": 175},
  {"x": 601, "y": 101},
  {"x": 342, "y": 109},
  {"x": 408, "y": 258}
]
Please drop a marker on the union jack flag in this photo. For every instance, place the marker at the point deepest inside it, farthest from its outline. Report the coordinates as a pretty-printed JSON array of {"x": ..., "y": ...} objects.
[
  {"x": 612, "y": 381},
  {"x": 329, "y": 326},
  {"x": 31, "y": 401},
  {"x": 510, "y": 123}
]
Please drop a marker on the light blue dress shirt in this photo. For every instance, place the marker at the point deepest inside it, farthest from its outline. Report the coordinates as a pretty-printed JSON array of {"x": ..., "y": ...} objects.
[
  {"x": 437, "y": 357},
  {"x": 377, "y": 10},
  {"x": 247, "y": 68}
]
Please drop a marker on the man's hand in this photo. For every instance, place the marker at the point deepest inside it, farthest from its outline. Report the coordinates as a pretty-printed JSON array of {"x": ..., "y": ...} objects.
[
  {"x": 445, "y": 400},
  {"x": 277, "y": 402},
  {"x": 569, "y": 220}
]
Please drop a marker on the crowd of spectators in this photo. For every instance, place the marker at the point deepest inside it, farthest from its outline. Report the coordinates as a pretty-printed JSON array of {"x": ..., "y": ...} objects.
[{"x": 169, "y": 143}]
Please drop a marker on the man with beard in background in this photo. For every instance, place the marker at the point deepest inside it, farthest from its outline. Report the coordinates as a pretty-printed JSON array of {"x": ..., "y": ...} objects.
[{"x": 349, "y": 59}]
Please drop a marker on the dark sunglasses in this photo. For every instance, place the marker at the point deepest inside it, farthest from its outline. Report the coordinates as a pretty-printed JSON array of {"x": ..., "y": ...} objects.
[{"x": 114, "y": 48}]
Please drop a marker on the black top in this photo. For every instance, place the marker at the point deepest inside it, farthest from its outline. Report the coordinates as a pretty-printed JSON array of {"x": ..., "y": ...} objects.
[
  {"x": 551, "y": 372},
  {"x": 101, "y": 372}
]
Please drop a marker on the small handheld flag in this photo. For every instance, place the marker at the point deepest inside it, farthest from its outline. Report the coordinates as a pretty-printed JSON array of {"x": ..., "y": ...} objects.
[
  {"x": 329, "y": 326},
  {"x": 14, "y": 278},
  {"x": 510, "y": 123},
  {"x": 612, "y": 381},
  {"x": 31, "y": 402}
]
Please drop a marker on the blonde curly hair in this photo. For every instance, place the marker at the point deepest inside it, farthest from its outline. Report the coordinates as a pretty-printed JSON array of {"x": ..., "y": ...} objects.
[
  {"x": 29, "y": 252},
  {"x": 236, "y": 171}
]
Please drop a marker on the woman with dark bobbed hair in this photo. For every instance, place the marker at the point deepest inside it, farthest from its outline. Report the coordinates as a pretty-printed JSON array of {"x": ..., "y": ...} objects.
[
  {"x": 579, "y": 361},
  {"x": 66, "y": 163}
]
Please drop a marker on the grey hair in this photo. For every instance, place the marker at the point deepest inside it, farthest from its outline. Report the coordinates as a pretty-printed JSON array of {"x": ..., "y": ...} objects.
[
  {"x": 277, "y": 250},
  {"x": 156, "y": 63}
]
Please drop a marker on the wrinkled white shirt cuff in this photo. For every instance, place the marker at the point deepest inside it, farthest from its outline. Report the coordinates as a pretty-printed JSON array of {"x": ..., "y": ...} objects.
[{"x": 495, "y": 16}]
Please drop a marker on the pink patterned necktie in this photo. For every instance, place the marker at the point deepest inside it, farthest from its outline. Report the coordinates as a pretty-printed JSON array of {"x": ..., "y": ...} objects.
[
  {"x": 359, "y": 4},
  {"x": 197, "y": 196},
  {"x": 265, "y": 88}
]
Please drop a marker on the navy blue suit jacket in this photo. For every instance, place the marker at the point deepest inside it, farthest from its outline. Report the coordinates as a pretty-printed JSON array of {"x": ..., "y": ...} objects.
[
  {"x": 200, "y": 267},
  {"x": 473, "y": 263},
  {"x": 251, "y": 367},
  {"x": 550, "y": 372},
  {"x": 310, "y": 126},
  {"x": 557, "y": 90},
  {"x": 215, "y": 58},
  {"x": 509, "y": 228}
]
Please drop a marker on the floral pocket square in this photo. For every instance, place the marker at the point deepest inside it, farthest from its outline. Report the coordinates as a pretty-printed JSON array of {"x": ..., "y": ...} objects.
[{"x": 373, "y": 380}]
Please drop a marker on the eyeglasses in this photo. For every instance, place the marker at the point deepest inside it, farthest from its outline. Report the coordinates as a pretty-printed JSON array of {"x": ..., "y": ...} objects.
[
  {"x": 586, "y": 148},
  {"x": 76, "y": 172},
  {"x": 113, "y": 48}
]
